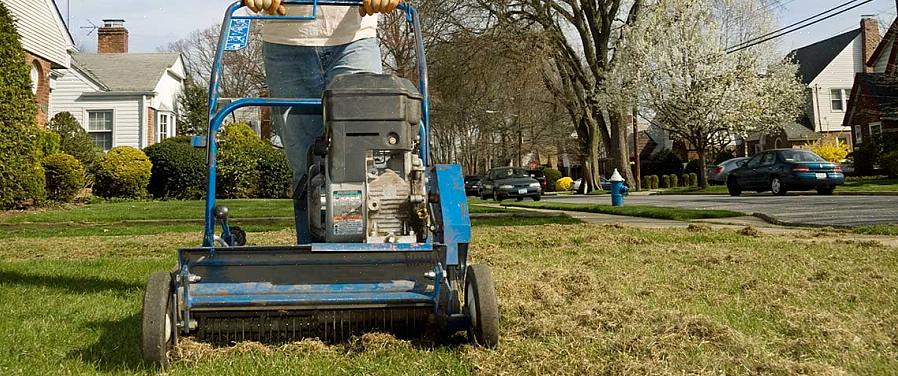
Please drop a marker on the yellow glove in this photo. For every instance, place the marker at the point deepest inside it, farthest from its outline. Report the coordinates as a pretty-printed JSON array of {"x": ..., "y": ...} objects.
[
  {"x": 271, "y": 7},
  {"x": 370, "y": 7}
]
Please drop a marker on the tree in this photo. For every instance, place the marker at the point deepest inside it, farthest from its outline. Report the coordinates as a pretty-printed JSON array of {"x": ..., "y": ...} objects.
[
  {"x": 676, "y": 56},
  {"x": 194, "y": 107},
  {"x": 21, "y": 174},
  {"x": 74, "y": 140}
]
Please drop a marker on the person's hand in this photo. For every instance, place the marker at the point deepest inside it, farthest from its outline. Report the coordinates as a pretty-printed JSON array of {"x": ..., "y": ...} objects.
[
  {"x": 271, "y": 7},
  {"x": 370, "y": 7}
]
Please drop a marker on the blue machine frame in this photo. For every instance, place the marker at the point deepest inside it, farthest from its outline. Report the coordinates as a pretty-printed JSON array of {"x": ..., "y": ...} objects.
[{"x": 227, "y": 271}]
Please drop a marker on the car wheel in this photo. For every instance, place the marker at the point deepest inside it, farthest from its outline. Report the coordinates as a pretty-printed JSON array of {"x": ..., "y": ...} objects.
[
  {"x": 777, "y": 187},
  {"x": 826, "y": 191},
  {"x": 519, "y": 199},
  {"x": 733, "y": 187},
  {"x": 537, "y": 197},
  {"x": 497, "y": 197},
  {"x": 483, "y": 196}
]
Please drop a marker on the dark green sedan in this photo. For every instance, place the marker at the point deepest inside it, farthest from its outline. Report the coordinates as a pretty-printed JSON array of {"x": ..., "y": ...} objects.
[{"x": 784, "y": 170}]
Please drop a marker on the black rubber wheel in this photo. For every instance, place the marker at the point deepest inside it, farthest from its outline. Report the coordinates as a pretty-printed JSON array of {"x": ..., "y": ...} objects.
[
  {"x": 733, "y": 187},
  {"x": 777, "y": 187},
  {"x": 481, "y": 306},
  {"x": 483, "y": 196},
  {"x": 158, "y": 328},
  {"x": 239, "y": 237},
  {"x": 537, "y": 198},
  {"x": 519, "y": 199},
  {"x": 825, "y": 191},
  {"x": 497, "y": 197}
]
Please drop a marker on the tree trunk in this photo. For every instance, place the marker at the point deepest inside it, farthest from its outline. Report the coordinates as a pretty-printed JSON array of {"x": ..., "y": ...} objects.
[
  {"x": 620, "y": 151},
  {"x": 591, "y": 154},
  {"x": 702, "y": 168}
]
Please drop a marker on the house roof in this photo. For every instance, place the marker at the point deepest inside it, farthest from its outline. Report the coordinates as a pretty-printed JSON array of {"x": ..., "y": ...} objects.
[
  {"x": 878, "y": 89},
  {"x": 42, "y": 30},
  {"x": 126, "y": 72},
  {"x": 798, "y": 132},
  {"x": 813, "y": 59},
  {"x": 881, "y": 48}
]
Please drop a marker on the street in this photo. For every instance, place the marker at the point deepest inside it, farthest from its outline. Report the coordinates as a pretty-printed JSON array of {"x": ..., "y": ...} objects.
[{"x": 806, "y": 210}]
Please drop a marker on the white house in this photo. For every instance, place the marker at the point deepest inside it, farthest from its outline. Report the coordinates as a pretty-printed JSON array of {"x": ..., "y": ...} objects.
[
  {"x": 121, "y": 98},
  {"x": 47, "y": 44},
  {"x": 828, "y": 69}
]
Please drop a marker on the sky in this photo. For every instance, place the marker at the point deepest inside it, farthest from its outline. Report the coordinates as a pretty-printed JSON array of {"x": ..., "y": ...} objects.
[{"x": 153, "y": 24}]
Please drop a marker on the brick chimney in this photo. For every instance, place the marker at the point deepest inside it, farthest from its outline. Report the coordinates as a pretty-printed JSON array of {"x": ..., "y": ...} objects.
[
  {"x": 871, "y": 39},
  {"x": 112, "y": 38}
]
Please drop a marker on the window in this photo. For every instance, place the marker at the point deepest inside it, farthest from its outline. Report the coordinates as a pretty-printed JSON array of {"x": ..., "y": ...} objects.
[
  {"x": 768, "y": 160},
  {"x": 99, "y": 127},
  {"x": 875, "y": 130},
  {"x": 755, "y": 162},
  {"x": 35, "y": 77},
  {"x": 839, "y": 99},
  {"x": 858, "y": 135},
  {"x": 164, "y": 126}
]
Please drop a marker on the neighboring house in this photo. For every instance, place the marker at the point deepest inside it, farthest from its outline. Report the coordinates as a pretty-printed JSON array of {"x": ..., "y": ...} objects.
[
  {"x": 873, "y": 108},
  {"x": 121, "y": 98},
  {"x": 828, "y": 69},
  {"x": 791, "y": 136},
  {"x": 47, "y": 44}
]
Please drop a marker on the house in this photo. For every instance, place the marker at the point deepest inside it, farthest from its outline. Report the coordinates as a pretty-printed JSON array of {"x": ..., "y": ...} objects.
[
  {"x": 121, "y": 98},
  {"x": 873, "y": 108},
  {"x": 47, "y": 44},
  {"x": 828, "y": 68}
]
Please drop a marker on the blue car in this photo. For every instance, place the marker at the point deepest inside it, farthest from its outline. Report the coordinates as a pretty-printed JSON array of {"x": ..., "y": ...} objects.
[{"x": 783, "y": 170}]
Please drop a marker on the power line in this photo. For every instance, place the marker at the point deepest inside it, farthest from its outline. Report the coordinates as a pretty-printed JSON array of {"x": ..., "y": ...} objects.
[{"x": 785, "y": 31}]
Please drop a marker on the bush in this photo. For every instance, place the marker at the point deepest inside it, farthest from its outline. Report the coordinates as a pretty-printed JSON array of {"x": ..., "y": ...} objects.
[
  {"x": 723, "y": 156},
  {"x": 692, "y": 167},
  {"x": 646, "y": 182},
  {"x": 889, "y": 162},
  {"x": 694, "y": 178},
  {"x": 64, "y": 176},
  {"x": 665, "y": 181},
  {"x": 674, "y": 181},
  {"x": 48, "y": 143},
  {"x": 238, "y": 162},
  {"x": 656, "y": 182},
  {"x": 123, "y": 173},
  {"x": 21, "y": 174},
  {"x": 663, "y": 163},
  {"x": 179, "y": 169},
  {"x": 552, "y": 175},
  {"x": 835, "y": 152},
  {"x": 74, "y": 140},
  {"x": 276, "y": 179},
  {"x": 564, "y": 184}
]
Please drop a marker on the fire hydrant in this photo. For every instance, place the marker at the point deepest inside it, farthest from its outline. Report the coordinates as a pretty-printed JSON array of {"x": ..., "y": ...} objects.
[{"x": 618, "y": 189}]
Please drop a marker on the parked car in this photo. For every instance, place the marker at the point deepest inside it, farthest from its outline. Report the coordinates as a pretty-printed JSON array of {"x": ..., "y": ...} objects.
[
  {"x": 510, "y": 182},
  {"x": 780, "y": 171},
  {"x": 472, "y": 185},
  {"x": 717, "y": 174},
  {"x": 540, "y": 176}
]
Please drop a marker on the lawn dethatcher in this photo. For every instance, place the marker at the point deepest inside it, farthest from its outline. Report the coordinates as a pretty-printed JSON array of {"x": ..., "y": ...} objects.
[{"x": 391, "y": 228}]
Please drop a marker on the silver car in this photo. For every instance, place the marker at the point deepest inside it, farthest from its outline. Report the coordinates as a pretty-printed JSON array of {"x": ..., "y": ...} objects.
[{"x": 717, "y": 174}]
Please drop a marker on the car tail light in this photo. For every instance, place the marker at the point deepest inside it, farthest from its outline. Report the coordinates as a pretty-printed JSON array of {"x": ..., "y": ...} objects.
[
  {"x": 718, "y": 169},
  {"x": 837, "y": 169},
  {"x": 800, "y": 169}
]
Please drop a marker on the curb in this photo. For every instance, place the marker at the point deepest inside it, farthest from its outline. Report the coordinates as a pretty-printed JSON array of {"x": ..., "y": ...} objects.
[{"x": 774, "y": 221}]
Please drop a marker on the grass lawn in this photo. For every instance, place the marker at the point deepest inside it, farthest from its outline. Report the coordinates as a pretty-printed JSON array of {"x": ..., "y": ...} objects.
[
  {"x": 575, "y": 299},
  {"x": 888, "y": 230},
  {"x": 632, "y": 210}
]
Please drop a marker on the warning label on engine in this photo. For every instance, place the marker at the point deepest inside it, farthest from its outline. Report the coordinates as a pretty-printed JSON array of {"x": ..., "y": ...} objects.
[{"x": 348, "y": 216}]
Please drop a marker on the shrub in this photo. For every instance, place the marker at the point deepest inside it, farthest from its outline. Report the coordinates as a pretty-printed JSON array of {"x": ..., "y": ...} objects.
[
  {"x": 276, "y": 179},
  {"x": 21, "y": 174},
  {"x": 74, "y": 140},
  {"x": 694, "y": 177},
  {"x": 48, "y": 143},
  {"x": 238, "y": 162},
  {"x": 674, "y": 181},
  {"x": 64, "y": 176},
  {"x": 123, "y": 173},
  {"x": 692, "y": 167},
  {"x": 656, "y": 182},
  {"x": 831, "y": 151},
  {"x": 665, "y": 181},
  {"x": 662, "y": 163},
  {"x": 564, "y": 184},
  {"x": 179, "y": 169},
  {"x": 723, "y": 156},
  {"x": 646, "y": 182},
  {"x": 552, "y": 176},
  {"x": 889, "y": 162}
]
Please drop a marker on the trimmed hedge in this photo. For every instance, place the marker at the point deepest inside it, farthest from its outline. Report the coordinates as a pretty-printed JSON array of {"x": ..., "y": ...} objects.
[
  {"x": 179, "y": 169},
  {"x": 694, "y": 177},
  {"x": 238, "y": 162},
  {"x": 21, "y": 174},
  {"x": 123, "y": 173},
  {"x": 674, "y": 181},
  {"x": 890, "y": 162},
  {"x": 552, "y": 176},
  {"x": 662, "y": 163},
  {"x": 665, "y": 181},
  {"x": 275, "y": 177},
  {"x": 64, "y": 176},
  {"x": 74, "y": 140}
]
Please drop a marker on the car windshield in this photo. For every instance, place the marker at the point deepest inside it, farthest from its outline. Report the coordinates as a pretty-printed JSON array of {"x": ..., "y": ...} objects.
[
  {"x": 798, "y": 156},
  {"x": 511, "y": 173}
]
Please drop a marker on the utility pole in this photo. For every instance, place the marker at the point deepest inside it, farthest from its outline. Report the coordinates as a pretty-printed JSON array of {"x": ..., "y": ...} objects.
[{"x": 638, "y": 168}]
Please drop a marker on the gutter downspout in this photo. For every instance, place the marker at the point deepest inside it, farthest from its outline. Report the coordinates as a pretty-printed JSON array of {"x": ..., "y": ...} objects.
[
  {"x": 817, "y": 122},
  {"x": 142, "y": 125}
]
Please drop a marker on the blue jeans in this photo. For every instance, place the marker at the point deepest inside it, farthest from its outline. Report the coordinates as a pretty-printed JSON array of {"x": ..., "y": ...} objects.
[{"x": 304, "y": 72}]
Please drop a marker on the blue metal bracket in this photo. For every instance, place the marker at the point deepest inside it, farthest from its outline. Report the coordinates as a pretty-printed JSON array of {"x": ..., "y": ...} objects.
[{"x": 453, "y": 210}]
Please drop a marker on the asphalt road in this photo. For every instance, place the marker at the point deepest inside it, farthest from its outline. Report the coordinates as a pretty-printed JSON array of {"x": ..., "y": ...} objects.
[{"x": 807, "y": 210}]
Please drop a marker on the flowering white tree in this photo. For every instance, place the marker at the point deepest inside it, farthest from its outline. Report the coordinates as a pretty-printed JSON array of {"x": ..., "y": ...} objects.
[{"x": 676, "y": 59}]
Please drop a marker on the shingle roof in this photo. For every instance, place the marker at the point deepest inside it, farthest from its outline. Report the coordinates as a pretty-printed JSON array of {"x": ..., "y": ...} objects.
[
  {"x": 880, "y": 89},
  {"x": 813, "y": 59},
  {"x": 126, "y": 72},
  {"x": 798, "y": 132}
]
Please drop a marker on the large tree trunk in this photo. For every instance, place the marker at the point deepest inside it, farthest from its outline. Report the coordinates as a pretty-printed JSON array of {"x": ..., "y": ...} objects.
[
  {"x": 589, "y": 131},
  {"x": 620, "y": 151},
  {"x": 702, "y": 168}
]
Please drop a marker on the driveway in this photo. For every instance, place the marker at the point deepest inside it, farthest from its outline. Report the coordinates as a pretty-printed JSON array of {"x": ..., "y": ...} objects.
[{"x": 806, "y": 210}]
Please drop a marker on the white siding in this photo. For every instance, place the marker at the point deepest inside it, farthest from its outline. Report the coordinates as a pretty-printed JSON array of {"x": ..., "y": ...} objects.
[
  {"x": 70, "y": 96},
  {"x": 883, "y": 60},
  {"x": 41, "y": 30},
  {"x": 838, "y": 75}
]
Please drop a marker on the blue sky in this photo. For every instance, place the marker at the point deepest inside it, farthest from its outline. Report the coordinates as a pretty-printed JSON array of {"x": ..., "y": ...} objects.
[{"x": 155, "y": 23}]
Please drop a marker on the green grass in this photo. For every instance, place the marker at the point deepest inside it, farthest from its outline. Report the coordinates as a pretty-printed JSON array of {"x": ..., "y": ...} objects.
[
  {"x": 632, "y": 211},
  {"x": 870, "y": 184},
  {"x": 574, "y": 300},
  {"x": 888, "y": 230}
]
